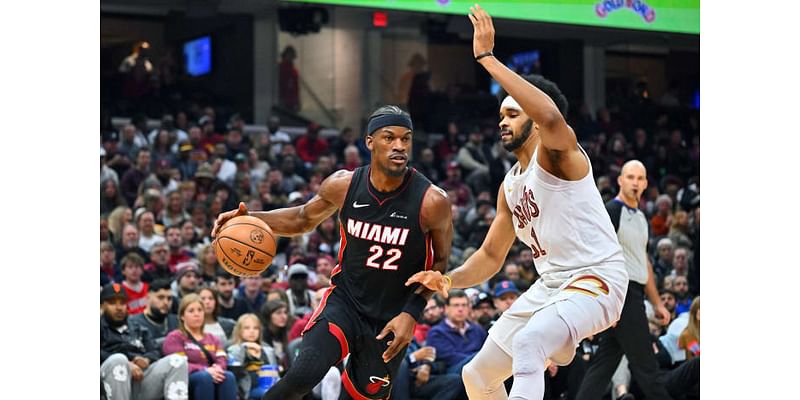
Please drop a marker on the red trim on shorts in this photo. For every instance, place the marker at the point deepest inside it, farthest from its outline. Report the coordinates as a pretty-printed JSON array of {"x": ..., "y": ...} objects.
[
  {"x": 380, "y": 203},
  {"x": 350, "y": 388},
  {"x": 318, "y": 311},
  {"x": 339, "y": 334}
]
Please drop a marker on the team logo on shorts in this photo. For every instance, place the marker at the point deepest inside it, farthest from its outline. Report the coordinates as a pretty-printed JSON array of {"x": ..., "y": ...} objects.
[
  {"x": 588, "y": 284},
  {"x": 377, "y": 383},
  {"x": 256, "y": 236}
]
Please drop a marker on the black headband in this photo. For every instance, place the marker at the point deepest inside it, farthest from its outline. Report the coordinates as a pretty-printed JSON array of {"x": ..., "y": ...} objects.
[{"x": 388, "y": 120}]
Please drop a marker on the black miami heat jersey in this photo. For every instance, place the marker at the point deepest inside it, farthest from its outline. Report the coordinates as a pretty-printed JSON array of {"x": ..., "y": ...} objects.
[{"x": 382, "y": 245}]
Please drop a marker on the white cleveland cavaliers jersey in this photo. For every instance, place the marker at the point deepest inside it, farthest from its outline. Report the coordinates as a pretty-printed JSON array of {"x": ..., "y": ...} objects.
[{"x": 564, "y": 222}]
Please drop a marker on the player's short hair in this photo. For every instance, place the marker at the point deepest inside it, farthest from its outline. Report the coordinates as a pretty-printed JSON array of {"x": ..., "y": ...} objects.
[
  {"x": 387, "y": 110},
  {"x": 549, "y": 87}
]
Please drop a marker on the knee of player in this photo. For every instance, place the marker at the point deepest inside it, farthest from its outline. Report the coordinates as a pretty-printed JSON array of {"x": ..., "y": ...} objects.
[
  {"x": 471, "y": 372},
  {"x": 528, "y": 342}
]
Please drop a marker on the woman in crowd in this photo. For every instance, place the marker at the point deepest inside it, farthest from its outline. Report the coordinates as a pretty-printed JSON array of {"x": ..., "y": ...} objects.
[
  {"x": 220, "y": 327},
  {"x": 209, "y": 378},
  {"x": 689, "y": 340},
  {"x": 207, "y": 258},
  {"x": 110, "y": 196},
  {"x": 275, "y": 318},
  {"x": 120, "y": 216}
]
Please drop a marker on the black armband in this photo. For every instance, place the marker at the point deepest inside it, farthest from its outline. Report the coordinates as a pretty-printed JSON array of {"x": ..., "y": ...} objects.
[{"x": 415, "y": 305}]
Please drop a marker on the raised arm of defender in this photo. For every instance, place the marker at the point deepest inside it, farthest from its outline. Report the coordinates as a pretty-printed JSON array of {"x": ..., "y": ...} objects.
[
  {"x": 482, "y": 264},
  {"x": 563, "y": 158},
  {"x": 293, "y": 221}
]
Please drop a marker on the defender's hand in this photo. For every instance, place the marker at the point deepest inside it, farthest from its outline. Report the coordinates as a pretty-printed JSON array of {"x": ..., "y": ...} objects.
[
  {"x": 433, "y": 280},
  {"x": 224, "y": 217},
  {"x": 483, "y": 38},
  {"x": 402, "y": 326}
]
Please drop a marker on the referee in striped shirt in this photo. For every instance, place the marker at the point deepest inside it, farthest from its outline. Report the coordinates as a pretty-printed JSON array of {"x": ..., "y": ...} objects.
[{"x": 630, "y": 336}]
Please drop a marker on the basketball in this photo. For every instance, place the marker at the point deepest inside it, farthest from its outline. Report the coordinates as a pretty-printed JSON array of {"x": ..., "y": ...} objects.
[{"x": 245, "y": 246}]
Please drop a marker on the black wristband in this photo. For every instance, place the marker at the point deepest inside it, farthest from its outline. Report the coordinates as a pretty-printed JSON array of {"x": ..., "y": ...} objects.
[
  {"x": 415, "y": 305},
  {"x": 484, "y": 54}
]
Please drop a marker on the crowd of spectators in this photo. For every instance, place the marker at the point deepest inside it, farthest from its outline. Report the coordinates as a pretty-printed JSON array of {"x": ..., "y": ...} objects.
[{"x": 161, "y": 189}]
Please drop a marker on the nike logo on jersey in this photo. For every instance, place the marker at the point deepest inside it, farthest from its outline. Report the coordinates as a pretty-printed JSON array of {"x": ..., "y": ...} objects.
[
  {"x": 396, "y": 215},
  {"x": 356, "y": 205}
]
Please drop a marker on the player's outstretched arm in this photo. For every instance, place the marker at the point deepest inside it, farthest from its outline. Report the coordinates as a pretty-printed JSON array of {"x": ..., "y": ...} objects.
[
  {"x": 293, "y": 221},
  {"x": 555, "y": 133},
  {"x": 482, "y": 264}
]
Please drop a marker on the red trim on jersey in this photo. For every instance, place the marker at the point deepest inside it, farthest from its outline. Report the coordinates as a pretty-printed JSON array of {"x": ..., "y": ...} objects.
[
  {"x": 318, "y": 311},
  {"x": 428, "y": 252},
  {"x": 339, "y": 334},
  {"x": 402, "y": 189},
  {"x": 350, "y": 388},
  {"x": 342, "y": 240}
]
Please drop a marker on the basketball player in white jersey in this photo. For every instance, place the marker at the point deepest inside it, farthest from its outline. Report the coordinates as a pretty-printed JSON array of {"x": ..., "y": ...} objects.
[{"x": 550, "y": 202}]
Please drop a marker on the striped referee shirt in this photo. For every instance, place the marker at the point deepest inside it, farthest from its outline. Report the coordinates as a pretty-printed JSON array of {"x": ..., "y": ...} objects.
[{"x": 632, "y": 231}]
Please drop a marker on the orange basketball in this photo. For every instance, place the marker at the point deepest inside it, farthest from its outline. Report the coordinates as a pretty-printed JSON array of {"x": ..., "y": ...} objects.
[{"x": 245, "y": 246}]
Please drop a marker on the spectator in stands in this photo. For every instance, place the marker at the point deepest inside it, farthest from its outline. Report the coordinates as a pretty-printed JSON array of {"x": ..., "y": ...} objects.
[
  {"x": 250, "y": 293},
  {"x": 352, "y": 158},
  {"x": 187, "y": 278},
  {"x": 161, "y": 149},
  {"x": 117, "y": 219},
  {"x": 310, "y": 146},
  {"x": 236, "y": 142},
  {"x": 322, "y": 277},
  {"x": 208, "y": 264},
  {"x": 110, "y": 196},
  {"x": 505, "y": 293},
  {"x": 215, "y": 324},
  {"x": 158, "y": 267},
  {"x": 129, "y": 243},
  {"x": 131, "y": 365},
  {"x": 135, "y": 176},
  {"x": 208, "y": 374},
  {"x": 300, "y": 297},
  {"x": 276, "y": 321},
  {"x": 474, "y": 160},
  {"x": 669, "y": 300},
  {"x": 427, "y": 165},
  {"x": 192, "y": 238},
  {"x": 135, "y": 289},
  {"x": 145, "y": 221},
  {"x": 664, "y": 254},
  {"x": 483, "y": 310},
  {"x": 131, "y": 141},
  {"x": 277, "y": 138},
  {"x": 177, "y": 251},
  {"x": 230, "y": 306},
  {"x": 174, "y": 213},
  {"x": 661, "y": 222},
  {"x": 432, "y": 314},
  {"x": 680, "y": 262},
  {"x": 109, "y": 270},
  {"x": 288, "y": 80},
  {"x": 461, "y": 193},
  {"x": 300, "y": 324},
  {"x": 291, "y": 180},
  {"x": 456, "y": 340},
  {"x": 157, "y": 317},
  {"x": 111, "y": 158},
  {"x": 415, "y": 379},
  {"x": 679, "y": 230},
  {"x": 689, "y": 340},
  {"x": 683, "y": 300},
  {"x": 247, "y": 349}
]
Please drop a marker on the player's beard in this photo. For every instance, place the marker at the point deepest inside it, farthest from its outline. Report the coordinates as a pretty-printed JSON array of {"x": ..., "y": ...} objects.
[
  {"x": 395, "y": 173},
  {"x": 517, "y": 142}
]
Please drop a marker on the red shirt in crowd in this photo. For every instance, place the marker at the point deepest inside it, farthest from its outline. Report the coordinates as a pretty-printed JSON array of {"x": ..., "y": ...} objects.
[
  {"x": 310, "y": 149},
  {"x": 137, "y": 299}
]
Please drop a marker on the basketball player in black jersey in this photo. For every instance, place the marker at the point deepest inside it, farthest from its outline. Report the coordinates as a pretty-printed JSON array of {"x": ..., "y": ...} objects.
[{"x": 393, "y": 223}]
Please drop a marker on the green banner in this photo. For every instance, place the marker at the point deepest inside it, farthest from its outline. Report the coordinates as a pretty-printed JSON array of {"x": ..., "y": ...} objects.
[{"x": 682, "y": 16}]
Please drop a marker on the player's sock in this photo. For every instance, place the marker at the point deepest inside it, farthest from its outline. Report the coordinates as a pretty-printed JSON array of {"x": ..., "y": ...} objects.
[
  {"x": 485, "y": 373},
  {"x": 545, "y": 334}
]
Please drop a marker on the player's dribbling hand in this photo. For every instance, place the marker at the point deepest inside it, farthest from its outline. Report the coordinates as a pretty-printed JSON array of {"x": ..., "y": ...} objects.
[
  {"x": 224, "y": 217},
  {"x": 433, "y": 280},
  {"x": 402, "y": 326},
  {"x": 483, "y": 38}
]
